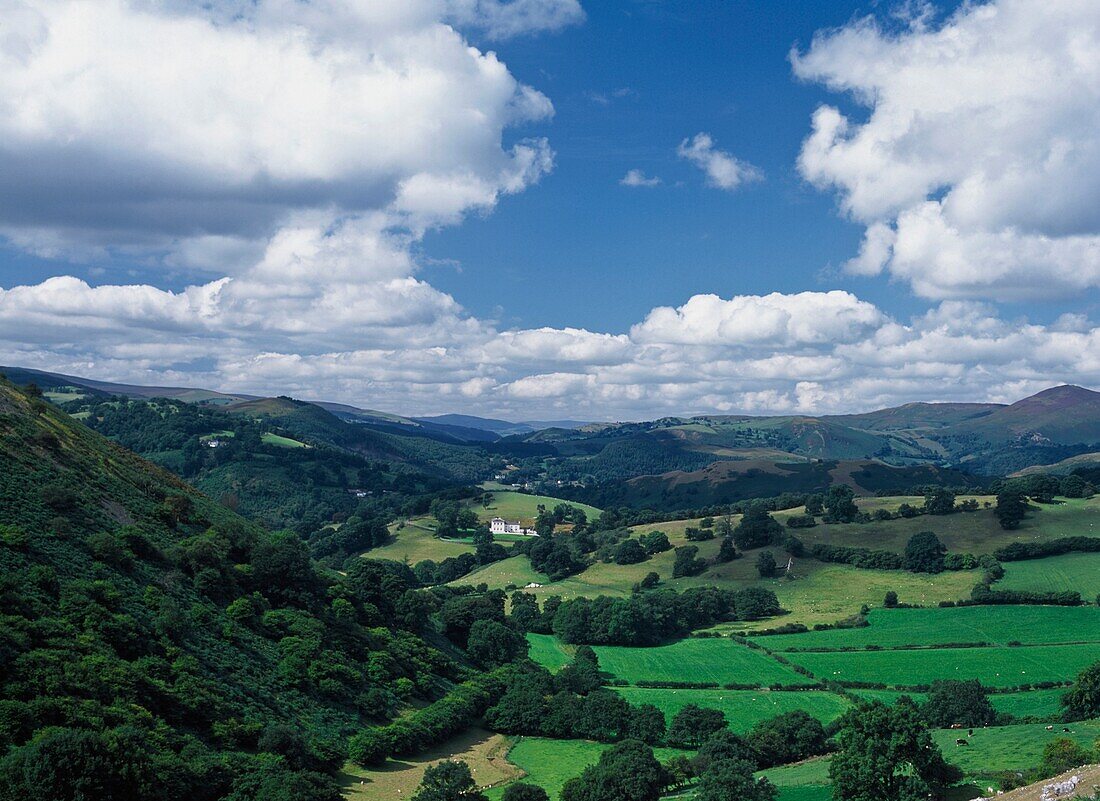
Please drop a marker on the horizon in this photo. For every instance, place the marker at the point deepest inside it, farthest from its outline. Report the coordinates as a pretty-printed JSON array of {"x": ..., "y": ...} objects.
[{"x": 513, "y": 208}]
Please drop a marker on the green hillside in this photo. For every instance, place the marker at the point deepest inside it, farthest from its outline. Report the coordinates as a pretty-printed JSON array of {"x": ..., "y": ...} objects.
[{"x": 153, "y": 644}]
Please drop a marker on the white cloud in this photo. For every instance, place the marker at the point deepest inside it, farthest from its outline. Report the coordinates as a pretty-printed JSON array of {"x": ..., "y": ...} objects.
[
  {"x": 637, "y": 178},
  {"x": 977, "y": 169},
  {"x": 723, "y": 171}
]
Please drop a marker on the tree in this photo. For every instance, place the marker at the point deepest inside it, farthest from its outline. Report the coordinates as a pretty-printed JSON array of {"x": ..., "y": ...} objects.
[
  {"x": 815, "y": 504},
  {"x": 757, "y": 529},
  {"x": 448, "y": 781},
  {"x": 627, "y": 771},
  {"x": 1062, "y": 754},
  {"x": 765, "y": 564},
  {"x": 492, "y": 644},
  {"x": 696, "y": 534},
  {"x": 727, "y": 551},
  {"x": 955, "y": 702},
  {"x": 692, "y": 725},
  {"x": 1082, "y": 702},
  {"x": 924, "y": 553},
  {"x": 647, "y": 723},
  {"x": 686, "y": 563},
  {"x": 787, "y": 738},
  {"x": 1010, "y": 509},
  {"x": 939, "y": 501},
  {"x": 839, "y": 503},
  {"x": 891, "y": 600},
  {"x": 524, "y": 792},
  {"x": 722, "y": 745},
  {"x": 629, "y": 552},
  {"x": 525, "y": 611},
  {"x": 370, "y": 747},
  {"x": 887, "y": 754},
  {"x": 655, "y": 542},
  {"x": 732, "y": 780},
  {"x": 1073, "y": 486}
]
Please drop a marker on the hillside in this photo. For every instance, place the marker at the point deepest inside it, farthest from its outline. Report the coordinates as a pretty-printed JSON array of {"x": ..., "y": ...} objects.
[{"x": 155, "y": 644}]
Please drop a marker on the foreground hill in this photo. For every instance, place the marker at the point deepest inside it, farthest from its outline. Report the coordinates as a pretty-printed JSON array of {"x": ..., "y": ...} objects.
[{"x": 153, "y": 644}]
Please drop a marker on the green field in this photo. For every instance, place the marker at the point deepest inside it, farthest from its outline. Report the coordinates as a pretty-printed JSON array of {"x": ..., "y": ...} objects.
[
  {"x": 283, "y": 442},
  {"x": 522, "y": 506},
  {"x": 1009, "y": 747},
  {"x": 994, "y": 667},
  {"x": 1033, "y": 703},
  {"x": 990, "y": 624},
  {"x": 416, "y": 541},
  {"x": 806, "y": 781},
  {"x": 549, "y": 651},
  {"x": 742, "y": 708},
  {"x": 716, "y": 659},
  {"x": 1079, "y": 572},
  {"x": 551, "y": 763},
  {"x": 515, "y": 570}
]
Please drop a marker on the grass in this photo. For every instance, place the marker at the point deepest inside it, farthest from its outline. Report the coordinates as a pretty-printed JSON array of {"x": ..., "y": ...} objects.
[
  {"x": 515, "y": 570},
  {"x": 717, "y": 660},
  {"x": 483, "y": 751},
  {"x": 1009, "y": 747},
  {"x": 990, "y": 624},
  {"x": 742, "y": 708},
  {"x": 549, "y": 651},
  {"x": 994, "y": 667},
  {"x": 522, "y": 506},
  {"x": 1078, "y": 572},
  {"x": 283, "y": 442},
  {"x": 1033, "y": 703},
  {"x": 551, "y": 763},
  {"x": 416, "y": 541}
]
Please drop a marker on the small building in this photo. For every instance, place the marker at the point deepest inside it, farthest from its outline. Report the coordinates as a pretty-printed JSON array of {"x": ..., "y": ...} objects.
[
  {"x": 213, "y": 443},
  {"x": 498, "y": 525}
]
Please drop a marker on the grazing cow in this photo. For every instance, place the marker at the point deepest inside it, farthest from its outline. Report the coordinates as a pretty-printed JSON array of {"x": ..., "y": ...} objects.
[
  {"x": 1050, "y": 728},
  {"x": 962, "y": 741}
]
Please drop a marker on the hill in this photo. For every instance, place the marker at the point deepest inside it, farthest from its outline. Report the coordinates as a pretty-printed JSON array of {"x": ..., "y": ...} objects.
[{"x": 155, "y": 644}]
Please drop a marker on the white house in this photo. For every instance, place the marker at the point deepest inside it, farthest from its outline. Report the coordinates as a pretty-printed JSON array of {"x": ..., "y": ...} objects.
[{"x": 498, "y": 525}]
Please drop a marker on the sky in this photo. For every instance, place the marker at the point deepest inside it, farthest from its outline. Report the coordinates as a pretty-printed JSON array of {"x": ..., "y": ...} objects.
[{"x": 541, "y": 209}]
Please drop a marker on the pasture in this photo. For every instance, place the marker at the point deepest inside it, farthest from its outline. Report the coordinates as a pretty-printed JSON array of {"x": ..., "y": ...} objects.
[
  {"x": 522, "y": 506},
  {"x": 416, "y": 541},
  {"x": 1029, "y": 704},
  {"x": 279, "y": 441},
  {"x": 805, "y": 781},
  {"x": 742, "y": 708},
  {"x": 994, "y": 667},
  {"x": 717, "y": 659},
  {"x": 1079, "y": 572},
  {"x": 549, "y": 651},
  {"x": 996, "y": 625},
  {"x": 1009, "y": 747},
  {"x": 551, "y": 763}
]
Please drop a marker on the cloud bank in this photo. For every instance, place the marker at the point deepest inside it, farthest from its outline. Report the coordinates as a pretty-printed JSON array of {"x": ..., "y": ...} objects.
[{"x": 977, "y": 168}]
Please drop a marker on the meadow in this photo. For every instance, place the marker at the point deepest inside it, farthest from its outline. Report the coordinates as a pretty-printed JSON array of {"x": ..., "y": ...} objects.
[
  {"x": 549, "y": 651},
  {"x": 523, "y": 506},
  {"x": 1009, "y": 747},
  {"x": 994, "y": 667},
  {"x": 551, "y": 763},
  {"x": 1077, "y": 572},
  {"x": 996, "y": 625},
  {"x": 416, "y": 541},
  {"x": 712, "y": 659},
  {"x": 1032, "y": 703},
  {"x": 742, "y": 708}
]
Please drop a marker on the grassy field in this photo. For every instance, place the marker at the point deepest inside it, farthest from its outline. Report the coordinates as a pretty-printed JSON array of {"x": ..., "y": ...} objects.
[
  {"x": 551, "y": 763},
  {"x": 416, "y": 541},
  {"x": 991, "y": 624},
  {"x": 994, "y": 667},
  {"x": 1078, "y": 572},
  {"x": 1009, "y": 747},
  {"x": 549, "y": 651},
  {"x": 706, "y": 660},
  {"x": 515, "y": 570},
  {"x": 283, "y": 442},
  {"x": 742, "y": 708},
  {"x": 1033, "y": 703},
  {"x": 522, "y": 506},
  {"x": 483, "y": 751}
]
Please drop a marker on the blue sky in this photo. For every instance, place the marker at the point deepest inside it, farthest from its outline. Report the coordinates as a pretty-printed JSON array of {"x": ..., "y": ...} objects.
[{"x": 418, "y": 205}]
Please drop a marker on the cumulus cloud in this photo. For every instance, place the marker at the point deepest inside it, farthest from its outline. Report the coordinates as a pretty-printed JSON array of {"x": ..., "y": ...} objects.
[
  {"x": 637, "y": 178},
  {"x": 215, "y": 122},
  {"x": 504, "y": 19},
  {"x": 723, "y": 171},
  {"x": 977, "y": 168}
]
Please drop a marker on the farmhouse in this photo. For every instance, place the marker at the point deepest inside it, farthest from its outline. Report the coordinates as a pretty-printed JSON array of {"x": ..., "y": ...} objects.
[{"x": 498, "y": 525}]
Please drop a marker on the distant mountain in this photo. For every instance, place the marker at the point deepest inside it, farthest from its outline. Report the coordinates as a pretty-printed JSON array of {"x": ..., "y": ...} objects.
[
  {"x": 1062, "y": 415},
  {"x": 916, "y": 416},
  {"x": 46, "y": 380}
]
